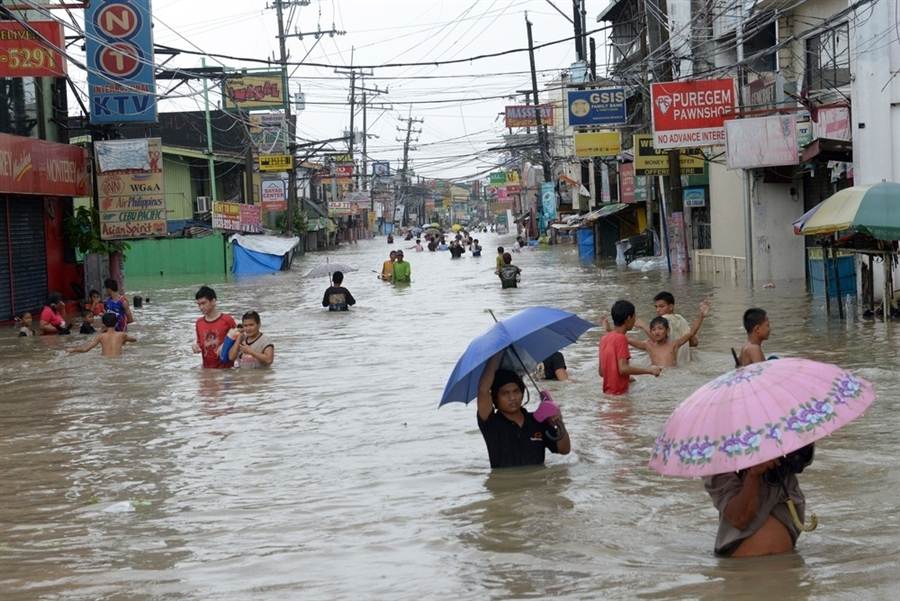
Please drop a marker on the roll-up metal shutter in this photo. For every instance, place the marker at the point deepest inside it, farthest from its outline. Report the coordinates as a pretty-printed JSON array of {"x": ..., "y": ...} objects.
[
  {"x": 6, "y": 311},
  {"x": 29, "y": 253}
]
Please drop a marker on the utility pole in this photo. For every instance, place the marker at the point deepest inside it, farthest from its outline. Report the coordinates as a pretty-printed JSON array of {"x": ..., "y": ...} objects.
[
  {"x": 286, "y": 100},
  {"x": 410, "y": 121},
  {"x": 542, "y": 134},
  {"x": 209, "y": 143}
]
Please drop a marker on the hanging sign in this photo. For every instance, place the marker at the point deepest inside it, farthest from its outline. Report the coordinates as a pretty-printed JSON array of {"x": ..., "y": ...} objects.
[
  {"x": 29, "y": 166},
  {"x": 548, "y": 200},
  {"x": 258, "y": 91},
  {"x": 498, "y": 178},
  {"x": 524, "y": 115},
  {"x": 25, "y": 54},
  {"x": 694, "y": 197},
  {"x": 275, "y": 162},
  {"x": 601, "y": 107},
  {"x": 274, "y": 194},
  {"x": 598, "y": 144},
  {"x": 688, "y": 114},
  {"x": 761, "y": 142},
  {"x": 119, "y": 48},
  {"x": 626, "y": 183},
  {"x": 132, "y": 201},
  {"x": 652, "y": 161}
]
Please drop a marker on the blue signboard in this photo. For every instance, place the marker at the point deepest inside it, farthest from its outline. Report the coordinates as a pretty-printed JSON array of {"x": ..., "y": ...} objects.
[
  {"x": 598, "y": 107},
  {"x": 694, "y": 197},
  {"x": 119, "y": 46},
  {"x": 548, "y": 200}
]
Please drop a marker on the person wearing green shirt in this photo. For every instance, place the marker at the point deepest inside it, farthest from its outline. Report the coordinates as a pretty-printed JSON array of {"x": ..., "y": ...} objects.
[{"x": 402, "y": 269}]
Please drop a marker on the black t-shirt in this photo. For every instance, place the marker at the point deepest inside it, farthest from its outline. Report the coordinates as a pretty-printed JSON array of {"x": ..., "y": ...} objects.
[
  {"x": 511, "y": 446},
  {"x": 337, "y": 298},
  {"x": 86, "y": 328},
  {"x": 552, "y": 363},
  {"x": 457, "y": 251}
]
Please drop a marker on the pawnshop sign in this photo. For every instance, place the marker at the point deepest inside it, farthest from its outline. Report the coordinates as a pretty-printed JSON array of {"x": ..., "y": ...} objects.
[{"x": 688, "y": 114}]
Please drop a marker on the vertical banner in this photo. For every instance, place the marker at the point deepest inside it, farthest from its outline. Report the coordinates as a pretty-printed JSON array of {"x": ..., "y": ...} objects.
[
  {"x": 678, "y": 243},
  {"x": 626, "y": 183},
  {"x": 132, "y": 200},
  {"x": 119, "y": 47},
  {"x": 548, "y": 200}
]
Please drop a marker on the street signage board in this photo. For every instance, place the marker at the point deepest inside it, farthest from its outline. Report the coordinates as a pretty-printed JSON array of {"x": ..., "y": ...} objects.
[
  {"x": 25, "y": 54},
  {"x": 498, "y": 178},
  {"x": 381, "y": 169},
  {"x": 524, "y": 115},
  {"x": 343, "y": 170},
  {"x": 274, "y": 194},
  {"x": 257, "y": 91},
  {"x": 598, "y": 144},
  {"x": 761, "y": 142},
  {"x": 626, "y": 183},
  {"x": 694, "y": 197},
  {"x": 600, "y": 107},
  {"x": 132, "y": 201},
  {"x": 237, "y": 217},
  {"x": 690, "y": 114},
  {"x": 548, "y": 200},
  {"x": 833, "y": 123},
  {"x": 653, "y": 161},
  {"x": 119, "y": 48},
  {"x": 275, "y": 162},
  {"x": 30, "y": 166}
]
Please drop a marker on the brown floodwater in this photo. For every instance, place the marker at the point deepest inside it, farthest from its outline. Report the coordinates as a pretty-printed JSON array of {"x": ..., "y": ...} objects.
[{"x": 334, "y": 475}]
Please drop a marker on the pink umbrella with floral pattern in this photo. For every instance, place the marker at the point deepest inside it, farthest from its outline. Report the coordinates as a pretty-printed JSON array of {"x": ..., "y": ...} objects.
[{"x": 757, "y": 413}]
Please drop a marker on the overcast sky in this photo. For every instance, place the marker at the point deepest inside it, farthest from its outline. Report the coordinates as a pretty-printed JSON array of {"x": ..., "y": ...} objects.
[{"x": 388, "y": 31}]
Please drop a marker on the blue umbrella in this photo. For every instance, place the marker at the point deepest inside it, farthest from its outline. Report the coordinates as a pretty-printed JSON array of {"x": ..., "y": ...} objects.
[{"x": 532, "y": 334}]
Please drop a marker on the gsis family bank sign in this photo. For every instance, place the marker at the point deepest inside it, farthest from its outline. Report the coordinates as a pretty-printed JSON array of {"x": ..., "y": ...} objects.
[{"x": 688, "y": 114}]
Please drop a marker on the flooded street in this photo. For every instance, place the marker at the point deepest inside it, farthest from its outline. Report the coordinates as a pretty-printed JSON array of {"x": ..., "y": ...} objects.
[{"x": 335, "y": 475}]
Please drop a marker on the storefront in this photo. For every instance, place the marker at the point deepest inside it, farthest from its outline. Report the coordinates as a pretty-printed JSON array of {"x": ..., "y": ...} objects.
[{"x": 37, "y": 182}]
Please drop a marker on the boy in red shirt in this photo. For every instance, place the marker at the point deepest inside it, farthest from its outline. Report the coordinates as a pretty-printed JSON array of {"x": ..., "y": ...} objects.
[
  {"x": 614, "y": 356},
  {"x": 211, "y": 329}
]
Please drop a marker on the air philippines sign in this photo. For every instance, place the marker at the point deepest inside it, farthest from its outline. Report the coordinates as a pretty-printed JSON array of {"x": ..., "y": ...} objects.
[
  {"x": 119, "y": 47},
  {"x": 689, "y": 114}
]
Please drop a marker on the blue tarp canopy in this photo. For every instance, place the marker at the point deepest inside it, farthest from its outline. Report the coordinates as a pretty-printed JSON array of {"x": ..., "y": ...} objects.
[{"x": 260, "y": 254}]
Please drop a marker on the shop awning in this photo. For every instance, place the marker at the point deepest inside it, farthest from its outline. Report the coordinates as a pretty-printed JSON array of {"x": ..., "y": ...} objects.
[
  {"x": 606, "y": 211},
  {"x": 567, "y": 180},
  {"x": 823, "y": 149}
]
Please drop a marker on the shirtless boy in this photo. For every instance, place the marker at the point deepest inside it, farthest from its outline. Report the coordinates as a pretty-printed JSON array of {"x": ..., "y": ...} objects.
[
  {"x": 756, "y": 322},
  {"x": 662, "y": 349},
  {"x": 110, "y": 341}
]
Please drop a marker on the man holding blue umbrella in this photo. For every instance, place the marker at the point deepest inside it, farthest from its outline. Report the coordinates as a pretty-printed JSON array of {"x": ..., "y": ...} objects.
[{"x": 513, "y": 436}]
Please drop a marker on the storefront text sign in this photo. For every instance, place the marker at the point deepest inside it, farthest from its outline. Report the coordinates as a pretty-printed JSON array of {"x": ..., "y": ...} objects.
[
  {"x": 24, "y": 54},
  {"x": 690, "y": 114},
  {"x": 652, "y": 161},
  {"x": 29, "y": 166},
  {"x": 133, "y": 201},
  {"x": 761, "y": 142}
]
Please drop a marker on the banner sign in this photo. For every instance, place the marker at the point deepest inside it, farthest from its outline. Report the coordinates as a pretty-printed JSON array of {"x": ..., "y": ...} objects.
[
  {"x": 362, "y": 199},
  {"x": 548, "y": 200},
  {"x": 119, "y": 48},
  {"x": 512, "y": 177},
  {"x": 761, "y": 142},
  {"x": 268, "y": 133},
  {"x": 833, "y": 124},
  {"x": 259, "y": 91},
  {"x": 237, "y": 217},
  {"x": 132, "y": 201},
  {"x": 678, "y": 243},
  {"x": 652, "y": 161},
  {"x": 251, "y": 219},
  {"x": 602, "y": 107},
  {"x": 641, "y": 188},
  {"x": 381, "y": 169},
  {"x": 274, "y": 194},
  {"x": 689, "y": 114},
  {"x": 694, "y": 197},
  {"x": 626, "y": 183},
  {"x": 24, "y": 54},
  {"x": 524, "y": 115},
  {"x": 598, "y": 144},
  {"x": 30, "y": 166},
  {"x": 344, "y": 170},
  {"x": 513, "y": 189},
  {"x": 275, "y": 162},
  {"x": 498, "y": 178},
  {"x": 338, "y": 208}
]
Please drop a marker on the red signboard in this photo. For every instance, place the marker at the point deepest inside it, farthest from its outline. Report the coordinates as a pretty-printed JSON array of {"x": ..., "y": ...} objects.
[
  {"x": 343, "y": 169},
  {"x": 25, "y": 54},
  {"x": 688, "y": 114},
  {"x": 29, "y": 166},
  {"x": 626, "y": 182}
]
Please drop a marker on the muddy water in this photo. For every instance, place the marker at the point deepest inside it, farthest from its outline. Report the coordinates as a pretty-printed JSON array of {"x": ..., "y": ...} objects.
[{"x": 335, "y": 476}]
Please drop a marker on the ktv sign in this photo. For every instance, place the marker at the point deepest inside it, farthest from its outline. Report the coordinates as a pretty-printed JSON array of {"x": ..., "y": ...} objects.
[{"x": 119, "y": 46}]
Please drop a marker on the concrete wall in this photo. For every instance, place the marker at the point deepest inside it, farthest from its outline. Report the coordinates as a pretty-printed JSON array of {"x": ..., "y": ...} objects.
[
  {"x": 726, "y": 211},
  {"x": 178, "y": 256},
  {"x": 778, "y": 254}
]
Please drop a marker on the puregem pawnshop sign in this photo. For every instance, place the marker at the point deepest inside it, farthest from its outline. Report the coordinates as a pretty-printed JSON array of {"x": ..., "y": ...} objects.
[{"x": 689, "y": 114}]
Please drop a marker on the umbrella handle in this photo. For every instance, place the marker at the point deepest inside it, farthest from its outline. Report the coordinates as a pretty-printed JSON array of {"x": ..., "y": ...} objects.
[
  {"x": 813, "y": 520},
  {"x": 522, "y": 363}
]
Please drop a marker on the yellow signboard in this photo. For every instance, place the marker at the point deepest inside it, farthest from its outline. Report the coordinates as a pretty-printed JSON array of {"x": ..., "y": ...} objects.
[
  {"x": 253, "y": 91},
  {"x": 275, "y": 162},
  {"x": 598, "y": 144},
  {"x": 650, "y": 161}
]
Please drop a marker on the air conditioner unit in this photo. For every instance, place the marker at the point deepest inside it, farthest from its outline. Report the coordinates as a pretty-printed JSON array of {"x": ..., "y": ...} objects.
[{"x": 201, "y": 205}]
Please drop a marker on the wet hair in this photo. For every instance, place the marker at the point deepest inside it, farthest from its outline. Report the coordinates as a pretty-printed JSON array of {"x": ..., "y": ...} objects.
[
  {"x": 25, "y": 314},
  {"x": 399, "y": 253},
  {"x": 504, "y": 377},
  {"x": 665, "y": 297},
  {"x": 87, "y": 314},
  {"x": 111, "y": 284},
  {"x": 337, "y": 277},
  {"x": 621, "y": 311},
  {"x": 659, "y": 321},
  {"x": 499, "y": 250},
  {"x": 253, "y": 315},
  {"x": 53, "y": 298},
  {"x": 205, "y": 292},
  {"x": 109, "y": 320},
  {"x": 507, "y": 258},
  {"x": 752, "y": 318},
  {"x": 418, "y": 240},
  {"x": 93, "y": 292}
]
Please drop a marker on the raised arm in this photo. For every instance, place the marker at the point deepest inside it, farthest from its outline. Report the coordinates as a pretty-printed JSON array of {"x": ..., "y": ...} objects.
[
  {"x": 86, "y": 347},
  {"x": 485, "y": 402},
  {"x": 640, "y": 344},
  {"x": 695, "y": 327}
]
